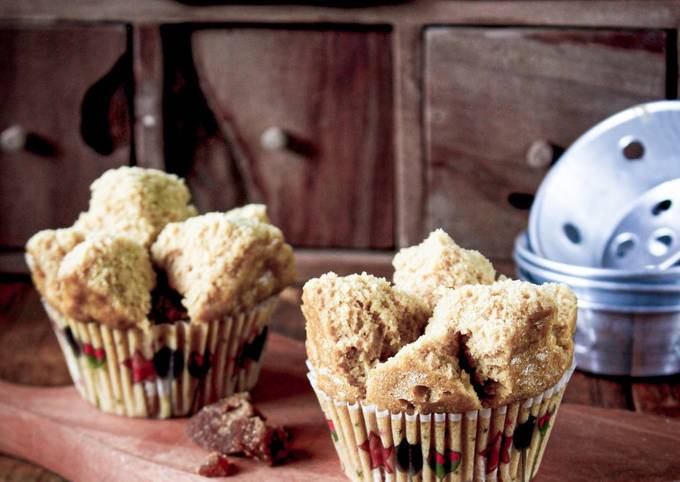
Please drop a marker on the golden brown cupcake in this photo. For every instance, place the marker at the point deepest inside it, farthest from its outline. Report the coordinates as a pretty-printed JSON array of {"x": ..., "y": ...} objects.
[
  {"x": 161, "y": 339},
  {"x": 436, "y": 263},
  {"x": 473, "y": 397}
]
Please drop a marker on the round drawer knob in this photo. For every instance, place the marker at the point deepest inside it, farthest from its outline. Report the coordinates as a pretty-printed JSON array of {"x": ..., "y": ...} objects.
[
  {"x": 13, "y": 139},
  {"x": 542, "y": 154},
  {"x": 274, "y": 139}
]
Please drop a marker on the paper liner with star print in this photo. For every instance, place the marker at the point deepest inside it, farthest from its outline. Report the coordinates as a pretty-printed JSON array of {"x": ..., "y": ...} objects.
[
  {"x": 481, "y": 445},
  {"x": 170, "y": 370}
]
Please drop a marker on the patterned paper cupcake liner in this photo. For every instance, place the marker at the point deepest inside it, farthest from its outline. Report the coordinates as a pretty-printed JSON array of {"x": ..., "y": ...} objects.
[
  {"x": 170, "y": 370},
  {"x": 500, "y": 444}
]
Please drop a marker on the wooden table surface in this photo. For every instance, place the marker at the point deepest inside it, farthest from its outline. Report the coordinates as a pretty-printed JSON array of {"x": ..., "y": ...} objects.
[{"x": 29, "y": 354}]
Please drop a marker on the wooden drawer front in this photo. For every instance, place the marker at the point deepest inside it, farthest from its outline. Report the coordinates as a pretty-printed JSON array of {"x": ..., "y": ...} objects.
[
  {"x": 490, "y": 93},
  {"x": 62, "y": 85},
  {"x": 330, "y": 92}
]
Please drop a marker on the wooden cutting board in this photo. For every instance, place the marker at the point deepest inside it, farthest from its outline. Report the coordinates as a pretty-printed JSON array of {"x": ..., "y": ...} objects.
[{"x": 55, "y": 428}]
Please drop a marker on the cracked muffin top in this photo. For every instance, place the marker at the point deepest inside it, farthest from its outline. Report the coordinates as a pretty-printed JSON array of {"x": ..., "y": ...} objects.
[
  {"x": 353, "y": 323},
  {"x": 436, "y": 263},
  {"x": 486, "y": 345},
  {"x": 44, "y": 252},
  {"x": 137, "y": 202},
  {"x": 211, "y": 266},
  {"x": 223, "y": 263},
  {"x": 109, "y": 279}
]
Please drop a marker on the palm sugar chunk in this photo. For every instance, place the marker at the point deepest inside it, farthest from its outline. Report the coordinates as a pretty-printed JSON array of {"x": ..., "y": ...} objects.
[
  {"x": 216, "y": 465},
  {"x": 234, "y": 426}
]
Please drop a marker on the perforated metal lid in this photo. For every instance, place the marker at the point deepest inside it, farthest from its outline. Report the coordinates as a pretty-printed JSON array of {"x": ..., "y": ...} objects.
[{"x": 608, "y": 184}]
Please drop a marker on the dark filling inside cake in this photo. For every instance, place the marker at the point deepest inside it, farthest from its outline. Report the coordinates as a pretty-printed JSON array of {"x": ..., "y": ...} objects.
[{"x": 166, "y": 303}]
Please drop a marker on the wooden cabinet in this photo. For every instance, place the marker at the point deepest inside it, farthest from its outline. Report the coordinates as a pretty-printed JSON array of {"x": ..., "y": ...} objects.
[
  {"x": 64, "y": 115},
  {"x": 304, "y": 124},
  {"x": 361, "y": 128},
  {"x": 491, "y": 92}
]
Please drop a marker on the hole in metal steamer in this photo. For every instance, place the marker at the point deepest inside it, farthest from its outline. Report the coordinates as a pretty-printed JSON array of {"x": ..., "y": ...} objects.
[
  {"x": 632, "y": 148},
  {"x": 624, "y": 243},
  {"x": 572, "y": 233},
  {"x": 661, "y": 241},
  {"x": 661, "y": 207}
]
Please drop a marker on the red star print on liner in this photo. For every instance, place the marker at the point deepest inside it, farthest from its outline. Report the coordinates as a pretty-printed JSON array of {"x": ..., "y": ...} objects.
[
  {"x": 95, "y": 356},
  {"x": 380, "y": 456},
  {"x": 492, "y": 452},
  {"x": 142, "y": 369},
  {"x": 544, "y": 422}
]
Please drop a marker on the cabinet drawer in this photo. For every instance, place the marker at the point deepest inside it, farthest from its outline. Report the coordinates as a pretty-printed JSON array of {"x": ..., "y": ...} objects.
[
  {"x": 492, "y": 92},
  {"x": 62, "y": 101},
  {"x": 306, "y": 117}
]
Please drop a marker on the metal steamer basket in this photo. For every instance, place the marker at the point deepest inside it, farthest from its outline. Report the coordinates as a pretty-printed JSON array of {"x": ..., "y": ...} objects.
[
  {"x": 606, "y": 222},
  {"x": 628, "y": 320}
]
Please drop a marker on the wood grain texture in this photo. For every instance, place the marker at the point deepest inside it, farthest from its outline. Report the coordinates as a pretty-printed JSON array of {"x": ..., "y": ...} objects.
[
  {"x": 51, "y": 425},
  {"x": 599, "y": 391},
  {"x": 148, "y": 73},
  {"x": 53, "y": 79},
  {"x": 593, "y": 13},
  {"x": 330, "y": 91},
  {"x": 660, "y": 396},
  {"x": 19, "y": 470},
  {"x": 490, "y": 93},
  {"x": 410, "y": 166}
]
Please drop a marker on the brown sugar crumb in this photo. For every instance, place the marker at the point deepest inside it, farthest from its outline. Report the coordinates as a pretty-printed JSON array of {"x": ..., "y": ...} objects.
[
  {"x": 234, "y": 426},
  {"x": 438, "y": 262},
  {"x": 354, "y": 322},
  {"x": 216, "y": 465}
]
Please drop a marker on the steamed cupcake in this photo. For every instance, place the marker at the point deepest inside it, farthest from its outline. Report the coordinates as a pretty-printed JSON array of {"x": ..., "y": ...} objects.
[
  {"x": 160, "y": 311},
  {"x": 470, "y": 393}
]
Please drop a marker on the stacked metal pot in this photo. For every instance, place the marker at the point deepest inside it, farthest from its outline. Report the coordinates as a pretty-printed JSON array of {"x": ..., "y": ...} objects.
[{"x": 606, "y": 221}]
